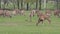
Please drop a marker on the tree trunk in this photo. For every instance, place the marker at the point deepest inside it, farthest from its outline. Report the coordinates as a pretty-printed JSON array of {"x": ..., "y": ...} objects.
[
  {"x": 14, "y": 3},
  {"x": 27, "y": 6},
  {"x": 4, "y": 5},
  {"x": 18, "y": 3},
  {"x": 14, "y": 6},
  {"x": 5, "y": 2},
  {"x": 36, "y": 4},
  {"x": 57, "y": 3},
  {"x": 0, "y": 3},
  {"x": 21, "y": 4},
  {"x": 39, "y": 4}
]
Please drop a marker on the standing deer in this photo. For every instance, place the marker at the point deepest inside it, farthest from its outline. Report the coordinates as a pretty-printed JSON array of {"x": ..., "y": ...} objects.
[{"x": 32, "y": 14}]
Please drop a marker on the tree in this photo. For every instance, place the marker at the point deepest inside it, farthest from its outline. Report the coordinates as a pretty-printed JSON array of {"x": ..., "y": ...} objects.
[
  {"x": 27, "y": 4},
  {"x": 36, "y": 4},
  {"x": 57, "y": 3},
  {"x": 18, "y": 3},
  {"x": 14, "y": 2},
  {"x": 21, "y": 4},
  {"x": 5, "y": 2},
  {"x": 0, "y": 3},
  {"x": 39, "y": 4}
]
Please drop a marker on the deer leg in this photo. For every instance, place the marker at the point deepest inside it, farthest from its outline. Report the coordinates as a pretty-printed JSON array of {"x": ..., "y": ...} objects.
[
  {"x": 10, "y": 16},
  {"x": 55, "y": 14},
  {"x": 58, "y": 15},
  {"x": 39, "y": 20},
  {"x": 33, "y": 15},
  {"x": 49, "y": 21},
  {"x": 42, "y": 21},
  {"x": 30, "y": 18}
]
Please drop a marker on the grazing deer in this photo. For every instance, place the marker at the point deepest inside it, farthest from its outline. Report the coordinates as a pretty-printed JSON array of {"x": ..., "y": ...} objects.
[
  {"x": 57, "y": 13},
  {"x": 1, "y": 12},
  {"x": 48, "y": 13},
  {"x": 22, "y": 12},
  {"x": 7, "y": 13},
  {"x": 42, "y": 17}
]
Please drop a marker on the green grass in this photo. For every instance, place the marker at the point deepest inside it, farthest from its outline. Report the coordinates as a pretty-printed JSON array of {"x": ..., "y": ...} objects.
[{"x": 18, "y": 25}]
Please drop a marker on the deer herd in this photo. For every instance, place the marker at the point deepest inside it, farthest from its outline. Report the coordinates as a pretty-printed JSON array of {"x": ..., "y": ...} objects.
[{"x": 40, "y": 15}]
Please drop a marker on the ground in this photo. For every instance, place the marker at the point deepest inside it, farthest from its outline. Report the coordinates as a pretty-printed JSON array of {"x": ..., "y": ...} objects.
[{"x": 19, "y": 25}]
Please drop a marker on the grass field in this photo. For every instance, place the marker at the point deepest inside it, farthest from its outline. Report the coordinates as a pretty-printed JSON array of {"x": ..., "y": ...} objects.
[{"x": 18, "y": 25}]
